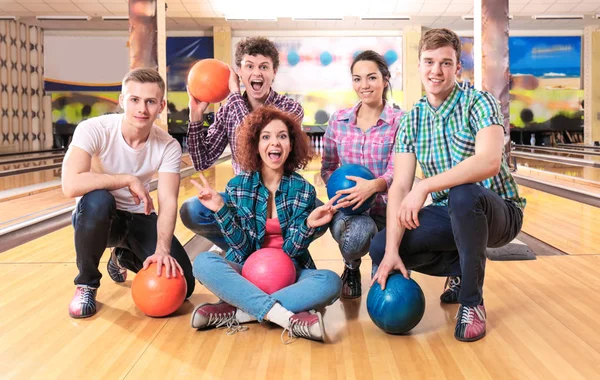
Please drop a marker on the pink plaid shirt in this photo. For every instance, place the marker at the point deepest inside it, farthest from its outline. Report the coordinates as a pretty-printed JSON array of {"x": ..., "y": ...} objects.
[{"x": 345, "y": 143}]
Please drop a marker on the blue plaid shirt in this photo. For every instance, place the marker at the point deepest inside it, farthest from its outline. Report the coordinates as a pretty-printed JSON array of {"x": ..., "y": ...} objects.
[{"x": 243, "y": 218}]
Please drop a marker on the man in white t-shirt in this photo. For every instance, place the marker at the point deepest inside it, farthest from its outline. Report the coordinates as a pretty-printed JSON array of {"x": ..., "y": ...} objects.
[{"x": 108, "y": 167}]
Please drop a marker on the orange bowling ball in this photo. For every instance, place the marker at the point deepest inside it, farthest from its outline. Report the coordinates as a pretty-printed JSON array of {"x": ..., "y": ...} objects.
[
  {"x": 208, "y": 80},
  {"x": 158, "y": 296}
]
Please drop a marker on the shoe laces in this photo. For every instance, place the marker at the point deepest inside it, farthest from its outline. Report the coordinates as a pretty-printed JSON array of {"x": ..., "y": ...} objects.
[
  {"x": 227, "y": 321},
  {"x": 466, "y": 314},
  {"x": 296, "y": 329},
  {"x": 115, "y": 261},
  {"x": 86, "y": 295},
  {"x": 452, "y": 283}
]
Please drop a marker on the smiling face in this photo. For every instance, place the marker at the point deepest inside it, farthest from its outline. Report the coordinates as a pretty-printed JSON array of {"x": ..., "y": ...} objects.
[
  {"x": 257, "y": 74},
  {"x": 142, "y": 102},
  {"x": 368, "y": 82},
  {"x": 438, "y": 69},
  {"x": 274, "y": 145}
]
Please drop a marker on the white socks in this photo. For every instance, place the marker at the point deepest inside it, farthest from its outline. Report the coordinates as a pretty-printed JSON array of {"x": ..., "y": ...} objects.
[
  {"x": 244, "y": 317},
  {"x": 279, "y": 315}
]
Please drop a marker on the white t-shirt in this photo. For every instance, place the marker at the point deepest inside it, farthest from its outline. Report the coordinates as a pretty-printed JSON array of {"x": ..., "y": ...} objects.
[{"x": 101, "y": 137}]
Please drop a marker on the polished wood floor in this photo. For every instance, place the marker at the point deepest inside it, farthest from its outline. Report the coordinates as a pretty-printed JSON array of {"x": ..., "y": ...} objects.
[{"x": 543, "y": 324}]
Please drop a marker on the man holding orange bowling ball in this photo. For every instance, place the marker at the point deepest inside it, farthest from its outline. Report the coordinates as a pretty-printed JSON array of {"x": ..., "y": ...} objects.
[{"x": 257, "y": 61}]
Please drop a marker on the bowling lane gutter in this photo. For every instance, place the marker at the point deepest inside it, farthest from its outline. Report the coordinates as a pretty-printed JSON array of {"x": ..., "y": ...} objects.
[{"x": 21, "y": 233}]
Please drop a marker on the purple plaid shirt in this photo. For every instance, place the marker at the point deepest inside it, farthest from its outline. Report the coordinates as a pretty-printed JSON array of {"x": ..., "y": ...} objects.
[
  {"x": 345, "y": 143},
  {"x": 207, "y": 144}
]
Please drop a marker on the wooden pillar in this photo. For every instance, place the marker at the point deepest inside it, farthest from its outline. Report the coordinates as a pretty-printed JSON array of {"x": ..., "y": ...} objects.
[
  {"x": 411, "y": 80},
  {"x": 147, "y": 40},
  {"x": 591, "y": 84},
  {"x": 222, "y": 49},
  {"x": 492, "y": 72}
]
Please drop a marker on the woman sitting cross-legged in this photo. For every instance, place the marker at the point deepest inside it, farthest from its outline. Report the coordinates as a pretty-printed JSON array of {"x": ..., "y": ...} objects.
[{"x": 269, "y": 206}]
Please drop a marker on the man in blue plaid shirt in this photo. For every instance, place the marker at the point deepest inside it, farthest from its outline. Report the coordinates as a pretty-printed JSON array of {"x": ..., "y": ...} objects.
[{"x": 457, "y": 136}]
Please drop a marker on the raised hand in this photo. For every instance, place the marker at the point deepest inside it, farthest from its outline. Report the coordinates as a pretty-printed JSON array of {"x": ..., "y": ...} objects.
[
  {"x": 208, "y": 196},
  {"x": 234, "y": 80},
  {"x": 140, "y": 194},
  {"x": 358, "y": 194},
  {"x": 322, "y": 214},
  {"x": 197, "y": 108}
]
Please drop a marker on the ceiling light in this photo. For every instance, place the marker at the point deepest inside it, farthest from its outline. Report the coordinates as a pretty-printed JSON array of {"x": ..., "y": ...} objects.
[
  {"x": 114, "y": 18},
  {"x": 245, "y": 18},
  {"x": 387, "y": 18},
  {"x": 8, "y": 17},
  {"x": 324, "y": 18},
  {"x": 557, "y": 17},
  {"x": 64, "y": 18}
]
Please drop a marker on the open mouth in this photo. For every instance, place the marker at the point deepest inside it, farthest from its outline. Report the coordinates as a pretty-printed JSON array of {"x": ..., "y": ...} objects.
[
  {"x": 256, "y": 84},
  {"x": 436, "y": 81},
  {"x": 275, "y": 155}
]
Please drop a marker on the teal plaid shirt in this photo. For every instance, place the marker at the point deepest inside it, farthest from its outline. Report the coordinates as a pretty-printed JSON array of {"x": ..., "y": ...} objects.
[
  {"x": 441, "y": 138},
  {"x": 243, "y": 219}
]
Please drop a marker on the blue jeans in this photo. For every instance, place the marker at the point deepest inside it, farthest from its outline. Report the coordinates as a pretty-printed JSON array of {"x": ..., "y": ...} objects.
[
  {"x": 354, "y": 233},
  {"x": 313, "y": 288},
  {"x": 452, "y": 240},
  {"x": 99, "y": 225},
  {"x": 201, "y": 221}
]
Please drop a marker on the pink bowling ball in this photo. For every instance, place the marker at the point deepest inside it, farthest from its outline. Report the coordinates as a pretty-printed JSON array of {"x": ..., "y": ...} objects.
[{"x": 270, "y": 269}]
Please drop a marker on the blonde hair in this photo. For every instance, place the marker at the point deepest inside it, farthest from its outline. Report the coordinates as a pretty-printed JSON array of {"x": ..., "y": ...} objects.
[{"x": 145, "y": 75}]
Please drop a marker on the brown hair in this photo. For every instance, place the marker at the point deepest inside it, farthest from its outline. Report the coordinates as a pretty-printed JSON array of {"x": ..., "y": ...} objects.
[
  {"x": 370, "y": 55},
  {"x": 256, "y": 46},
  {"x": 145, "y": 75},
  {"x": 248, "y": 134},
  {"x": 437, "y": 38}
]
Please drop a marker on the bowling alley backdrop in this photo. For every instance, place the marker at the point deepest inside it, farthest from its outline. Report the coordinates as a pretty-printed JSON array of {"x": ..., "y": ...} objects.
[{"x": 546, "y": 89}]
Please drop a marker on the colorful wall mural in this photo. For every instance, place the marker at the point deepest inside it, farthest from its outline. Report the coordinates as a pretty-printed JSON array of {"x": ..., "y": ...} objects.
[
  {"x": 546, "y": 87},
  {"x": 79, "y": 93},
  {"x": 316, "y": 71}
]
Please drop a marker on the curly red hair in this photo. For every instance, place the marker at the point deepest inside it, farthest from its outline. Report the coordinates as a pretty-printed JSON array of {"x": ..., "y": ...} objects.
[{"x": 247, "y": 138}]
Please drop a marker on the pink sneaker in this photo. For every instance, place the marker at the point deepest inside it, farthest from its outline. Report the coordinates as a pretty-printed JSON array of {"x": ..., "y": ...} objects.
[
  {"x": 216, "y": 315},
  {"x": 305, "y": 324},
  {"x": 83, "y": 304},
  {"x": 470, "y": 323}
]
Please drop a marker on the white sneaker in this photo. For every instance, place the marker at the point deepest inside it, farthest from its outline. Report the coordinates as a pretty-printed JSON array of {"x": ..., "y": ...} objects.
[{"x": 216, "y": 249}]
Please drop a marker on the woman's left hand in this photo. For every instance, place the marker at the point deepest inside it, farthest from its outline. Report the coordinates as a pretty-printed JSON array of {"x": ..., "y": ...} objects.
[
  {"x": 322, "y": 214},
  {"x": 358, "y": 194}
]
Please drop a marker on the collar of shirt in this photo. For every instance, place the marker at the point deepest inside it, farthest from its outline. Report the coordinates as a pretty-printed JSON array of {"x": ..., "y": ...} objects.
[
  {"x": 270, "y": 98},
  {"x": 257, "y": 181},
  {"x": 350, "y": 115},
  {"x": 445, "y": 109}
]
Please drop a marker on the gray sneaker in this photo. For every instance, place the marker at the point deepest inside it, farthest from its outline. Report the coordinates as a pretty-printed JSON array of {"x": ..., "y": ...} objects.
[{"x": 115, "y": 270}]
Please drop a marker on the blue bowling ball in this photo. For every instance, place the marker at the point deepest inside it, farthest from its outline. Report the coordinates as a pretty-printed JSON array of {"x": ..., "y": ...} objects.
[
  {"x": 398, "y": 308},
  {"x": 338, "y": 181}
]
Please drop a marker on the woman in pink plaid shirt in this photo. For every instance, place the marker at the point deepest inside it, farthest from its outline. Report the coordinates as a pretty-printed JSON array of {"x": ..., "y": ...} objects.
[{"x": 364, "y": 135}]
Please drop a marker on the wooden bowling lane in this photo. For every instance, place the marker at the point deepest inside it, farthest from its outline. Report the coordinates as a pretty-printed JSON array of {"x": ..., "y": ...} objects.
[
  {"x": 541, "y": 325},
  {"x": 534, "y": 331}
]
